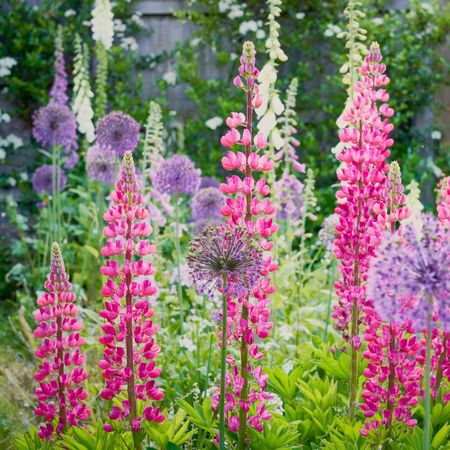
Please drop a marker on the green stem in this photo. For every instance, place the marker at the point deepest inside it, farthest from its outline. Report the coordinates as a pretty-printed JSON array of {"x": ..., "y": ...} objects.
[
  {"x": 427, "y": 418},
  {"x": 330, "y": 297},
  {"x": 208, "y": 365},
  {"x": 178, "y": 259},
  {"x": 223, "y": 362}
]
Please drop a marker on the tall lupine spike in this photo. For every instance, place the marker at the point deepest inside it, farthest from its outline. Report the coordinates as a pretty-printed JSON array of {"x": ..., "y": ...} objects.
[
  {"x": 60, "y": 392},
  {"x": 128, "y": 364},
  {"x": 248, "y": 205},
  {"x": 361, "y": 200},
  {"x": 393, "y": 375}
]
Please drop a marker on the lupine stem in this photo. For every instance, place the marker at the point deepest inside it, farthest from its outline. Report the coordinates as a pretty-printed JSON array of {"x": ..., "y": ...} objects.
[
  {"x": 223, "y": 362},
  {"x": 129, "y": 347},
  {"x": 441, "y": 360},
  {"x": 244, "y": 392},
  {"x": 62, "y": 400},
  {"x": 178, "y": 259},
  {"x": 427, "y": 417},
  {"x": 391, "y": 384}
]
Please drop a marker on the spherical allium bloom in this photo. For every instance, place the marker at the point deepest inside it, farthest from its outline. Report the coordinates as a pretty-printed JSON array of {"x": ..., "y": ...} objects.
[
  {"x": 61, "y": 397},
  {"x": 206, "y": 205},
  {"x": 128, "y": 363},
  {"x": 71, "y": 160},
  {"x": 43, "y": 179},
  {"x": 289, "y": 190},
  {"x": 176, "y": 175},
  {"x": 223, "y": 252},
  {"x": 55, "y": 124},
  {"x": 207, "y": 182},
  {"x": 100, "y": 164},
  {"x": 118, "y": 131},
  {"x": 410, "y": 278}
]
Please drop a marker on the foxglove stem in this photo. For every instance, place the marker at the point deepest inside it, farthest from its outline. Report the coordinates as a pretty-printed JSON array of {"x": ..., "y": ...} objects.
[
  {"x": 427, "y": 417},
  {"x": 178, "y": 261},
  {"x": 223, "y": 364}
]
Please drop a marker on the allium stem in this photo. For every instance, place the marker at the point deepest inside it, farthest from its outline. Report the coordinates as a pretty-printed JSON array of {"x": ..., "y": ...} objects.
[
  {"x": 131, "y": 388},
  {"x": 427, "y": 417},
  {"x": 223, "y": 364},
  {"x": 178, "y": 259},
  {"x": 244, "y": 392}
]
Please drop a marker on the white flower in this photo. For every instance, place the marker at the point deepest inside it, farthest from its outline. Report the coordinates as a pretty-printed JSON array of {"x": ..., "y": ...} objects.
[
  {"x": 14, "y": 140},
  {"x": 260, "y": 34},
  {"x": 277, "y": 140},
  {"x": 5, "y": 65},
  {"x": 102, "y": 23},
  {"x": 129, "y": 43},
  {"x": 245, "y": 27},
  {"x": 224, "y": 5},
  {"x": 214, "y": 122},
  {"x": 195, "y": 42},
  {"x": 23, "y": 176},
  {"x": 2, "y": 154},
  {"x": 332, "y": 30},
  {"x": 378, "y": 21},
  {"x": 69, "y": 12},
  {"x": 11, "y": 181},
  {"x": 119, "y": 26},
  {"x": 236, "y": 11},
  {"x": 4, "y": 117},
  {"x": 137, "y": 19},
  {"x": 436, "y": 135},
  {"x": 288, "y": 366},
  {"x": 187, "y": 343},
  {"x": 267, "y": 123},
  {"x": 170, "y": 78},
  {"x": 300, "y": 15},
  {"x": 285, "y": 332}
]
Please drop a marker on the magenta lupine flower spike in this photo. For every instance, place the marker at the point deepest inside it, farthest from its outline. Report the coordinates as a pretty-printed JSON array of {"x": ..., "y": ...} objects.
[
  {"x": 61, "y": 397},
  {"x": 361, "y": 199},
  {"x": 249, "y": 206},
  {"x": 128, "y": 364}
]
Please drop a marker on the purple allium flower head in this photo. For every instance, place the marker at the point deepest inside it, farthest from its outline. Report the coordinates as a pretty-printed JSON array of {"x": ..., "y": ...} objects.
[
  {"x": 410, "y": 278},
  {"x": 206, "y": 205},
  {"x": 221, "y": 252},
  {"x": 100, "y": 164},
  {"x": 207, "y": 182},
  {"x": 176, "y": 175},
  {"x": 71, "y": 160},
  {"x": 42, "y": 179},
  {"x": 289, "y": 192},
  {"x": 55, "y": 124},
  {"x": 58, "y": 92},
  {"x": 118, "y": 131}
]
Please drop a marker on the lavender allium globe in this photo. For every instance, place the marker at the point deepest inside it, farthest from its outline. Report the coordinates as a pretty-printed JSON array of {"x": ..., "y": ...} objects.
[
  {"x": 42, "y": 179},
  {"x": 207, "y": 182},
  {"x": 224, "y": 252},
  {"x": 118, "y": 131},
  {"x": 289, "y": 192},
  {"x": 100, "y": 164},
  {"x": 71, "y": 160},
  {"x": 410, "y": 277},
  {"x": 55, "y": 124},
  {"x": 206, "y": 205},
  {"x": 176, "y": 175}
]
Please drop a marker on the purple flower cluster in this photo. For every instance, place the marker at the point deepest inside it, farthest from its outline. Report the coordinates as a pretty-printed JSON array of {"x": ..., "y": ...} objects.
[
  {"x": 58, "y": 92},
  {"x": 54, "y": 125},
  {"x": 221, "y": 252},
  {"x": 289, "y": 190},
  {"x": 206, "y": 205},
  {"x": 118, "y": 131},
  {"x": 42, "y": 179},
  {"x": 100, "y": 164},
  {"x": 410, "y": 278},
  {"x": 207, "y": 182},
  {"x": 176, "y": 175}
]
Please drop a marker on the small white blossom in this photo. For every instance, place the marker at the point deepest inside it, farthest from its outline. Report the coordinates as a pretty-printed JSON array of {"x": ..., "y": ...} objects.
[
  {"x": 24, "y": 176},
  {"x": 69, "y": 12},
  {"x": 436, "y": 135},
  {"x": 285, "y": 332},
  {"x": 260, "y": 34},
  {"x": 288, "y": 366},
  {"x": 300, "y": 15},
  {"x": 170, "y": 78},
  {"x": 187, "y": 343},
  {"x": 136, "y": 18},
  {"x": 5, "y": 66},
  {"x": 378, "y": 21},
  {"x": 2, "y": 154},
  {"x": 214, "y": 122},
  {"x": 11, "y": 181},
  {"x": 129, "y": 43},
  {"x": 248, "y": 26}
]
